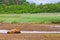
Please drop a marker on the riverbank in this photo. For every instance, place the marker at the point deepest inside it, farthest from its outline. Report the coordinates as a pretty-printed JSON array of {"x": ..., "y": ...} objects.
[{"x": 30, "y": 26}]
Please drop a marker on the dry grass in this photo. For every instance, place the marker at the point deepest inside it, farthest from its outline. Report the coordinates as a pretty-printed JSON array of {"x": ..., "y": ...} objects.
[{"x": 29, "y": 36}]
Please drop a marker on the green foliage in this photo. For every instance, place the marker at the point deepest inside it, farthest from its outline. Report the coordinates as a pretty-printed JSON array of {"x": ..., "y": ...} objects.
[
  {"x": 30, "y": 8},
  {"x": 11, "y": 2},
  {"x": 0, "y": 1},
  {"x": 30, "y": 18}
]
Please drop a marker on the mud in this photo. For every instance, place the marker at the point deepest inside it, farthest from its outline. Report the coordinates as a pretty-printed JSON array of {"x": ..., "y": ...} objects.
[
  {"x": 30, "y": 26},
  {"x": 29, "y": 36}
]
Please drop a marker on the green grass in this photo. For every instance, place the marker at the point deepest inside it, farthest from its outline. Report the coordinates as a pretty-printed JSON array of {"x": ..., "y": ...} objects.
[{"x": 30, "y": 18}]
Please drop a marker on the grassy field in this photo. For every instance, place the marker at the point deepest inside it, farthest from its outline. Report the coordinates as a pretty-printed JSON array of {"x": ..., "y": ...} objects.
[{"x": 30, "y": 18}]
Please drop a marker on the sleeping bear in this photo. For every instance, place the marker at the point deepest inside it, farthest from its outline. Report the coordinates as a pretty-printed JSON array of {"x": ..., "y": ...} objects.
[{"x": 13, "y": 31}]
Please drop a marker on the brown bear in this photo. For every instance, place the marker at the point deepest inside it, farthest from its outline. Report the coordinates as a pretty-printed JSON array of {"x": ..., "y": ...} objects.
[{"x": 13, "y": 31}]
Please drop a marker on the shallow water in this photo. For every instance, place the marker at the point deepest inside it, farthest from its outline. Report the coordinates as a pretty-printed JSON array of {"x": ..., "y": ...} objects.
[
  {"x": 5, "y": 31},
  {"x": 56, "y": 26},
  {"x": 40, "y": 31}
]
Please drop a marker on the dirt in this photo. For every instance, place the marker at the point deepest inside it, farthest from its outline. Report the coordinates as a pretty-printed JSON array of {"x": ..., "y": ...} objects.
[
  {"x": 29, "y": 37},
  {"x": 31, "y": 26}
]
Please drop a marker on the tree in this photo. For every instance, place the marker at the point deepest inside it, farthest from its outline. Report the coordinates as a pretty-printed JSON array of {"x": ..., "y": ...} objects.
[
  {"x": 5, "y": 1},
  {"x": 0, "y": 1},
  {"x": 17, "y": 2}
]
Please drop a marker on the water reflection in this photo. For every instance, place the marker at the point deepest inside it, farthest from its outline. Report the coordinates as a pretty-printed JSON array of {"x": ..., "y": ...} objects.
[{"x": 5, "y": 31}]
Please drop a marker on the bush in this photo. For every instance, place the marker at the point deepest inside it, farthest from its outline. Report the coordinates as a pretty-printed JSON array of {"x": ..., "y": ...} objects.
[{"x": 30, "y": 8}]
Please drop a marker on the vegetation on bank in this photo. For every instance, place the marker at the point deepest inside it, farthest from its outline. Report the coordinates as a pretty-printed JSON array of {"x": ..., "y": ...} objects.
[
  {"x": 30, "y": 18},
  {"x": 30, "y": 8}
]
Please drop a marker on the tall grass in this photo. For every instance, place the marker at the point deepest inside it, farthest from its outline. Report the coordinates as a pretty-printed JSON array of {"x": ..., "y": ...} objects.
[{"x": 29, "y": 18}]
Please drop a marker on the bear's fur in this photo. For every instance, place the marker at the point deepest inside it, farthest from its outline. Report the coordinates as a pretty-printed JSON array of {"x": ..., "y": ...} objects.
[{"x": 13, "y": 31}]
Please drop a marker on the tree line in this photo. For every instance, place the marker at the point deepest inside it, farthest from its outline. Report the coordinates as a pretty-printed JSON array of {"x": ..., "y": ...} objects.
[
  {"x": 27, "y": 7},
  {"x": 9, "y": 2}
]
